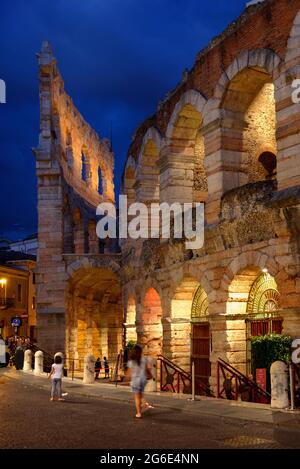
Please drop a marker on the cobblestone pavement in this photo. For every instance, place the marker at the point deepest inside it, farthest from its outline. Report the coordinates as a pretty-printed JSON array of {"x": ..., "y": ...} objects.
[{"x": 30, "y": 420}]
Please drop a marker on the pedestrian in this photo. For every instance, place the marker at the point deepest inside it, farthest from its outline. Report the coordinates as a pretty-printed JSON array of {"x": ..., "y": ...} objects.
[
  {"x": 138, "y": 373},
  {"x": 106, "y": 367},
  {"x": 98, "y": 367},
  {"x": 56, "y": 374}
]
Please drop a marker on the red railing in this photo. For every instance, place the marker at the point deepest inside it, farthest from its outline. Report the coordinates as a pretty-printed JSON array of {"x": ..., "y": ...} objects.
[
  {"x": 232, "y": 384},
  {"x": 175, "y": 379}
]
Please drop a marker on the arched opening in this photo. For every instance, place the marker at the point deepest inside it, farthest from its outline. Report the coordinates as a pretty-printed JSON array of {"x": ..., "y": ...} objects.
[
  {"x": 147, "y": 186},
  {"x": 151, "y": 333},
  {"x": 252, "y": 310},
  {"x": 185, "y": 167},
  {"x": 268, "y": 164},
  {"x": 130, "y": 324},
  {"x": 189, "y": 309},
  {"x": 93, "y": 316},
  {"x": 100, "y": 182},
  {"x": 250, "y": 122},
  {"x": 84, "y": 171}
]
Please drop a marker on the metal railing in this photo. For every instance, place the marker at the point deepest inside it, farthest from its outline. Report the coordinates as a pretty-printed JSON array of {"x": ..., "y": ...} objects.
[
  {"x": 175, "y": 379},
  {"x": 235, "y": 384}
]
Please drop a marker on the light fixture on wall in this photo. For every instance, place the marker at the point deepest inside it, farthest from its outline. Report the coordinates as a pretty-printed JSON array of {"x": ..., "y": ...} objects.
[
  {"x": 265, "y": 271},
  {"x": 3, "y": 282}
]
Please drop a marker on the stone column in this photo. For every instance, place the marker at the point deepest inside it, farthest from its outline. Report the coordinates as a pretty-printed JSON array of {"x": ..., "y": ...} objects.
[{"x": 27, "y": 360}]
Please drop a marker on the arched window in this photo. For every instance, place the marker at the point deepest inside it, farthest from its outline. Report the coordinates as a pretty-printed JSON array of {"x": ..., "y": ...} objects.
[
  {"x": 83, "y": 167},
  {"x": 100, "y": 183},
  {"x": 268, "y": 164}
]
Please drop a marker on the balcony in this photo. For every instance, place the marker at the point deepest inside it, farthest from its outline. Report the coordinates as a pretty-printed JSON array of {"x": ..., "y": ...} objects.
[{"x": 6, "y": 303}]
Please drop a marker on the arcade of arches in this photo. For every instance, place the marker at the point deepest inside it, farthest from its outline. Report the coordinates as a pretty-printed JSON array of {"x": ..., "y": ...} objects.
[{"x": 226, "y": 136}]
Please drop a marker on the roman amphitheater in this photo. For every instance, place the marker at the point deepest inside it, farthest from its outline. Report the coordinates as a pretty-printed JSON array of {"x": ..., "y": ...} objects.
[{"x": 228, "y": 135}]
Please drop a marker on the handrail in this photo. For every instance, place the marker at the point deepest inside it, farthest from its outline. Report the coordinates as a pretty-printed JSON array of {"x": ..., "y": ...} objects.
[
  {"x": 244, "y": 377},
  {"x": 240, "y": 378},
  {"x": 174, "y": 366},
  {"x": 182, "y": 376}
]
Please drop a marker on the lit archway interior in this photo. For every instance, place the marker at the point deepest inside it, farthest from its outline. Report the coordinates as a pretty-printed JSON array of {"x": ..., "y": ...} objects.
[
  {"x": 131, "y": 335},
  {"x": 151, "y": 333},
  {"x": 93, "y": 315}
]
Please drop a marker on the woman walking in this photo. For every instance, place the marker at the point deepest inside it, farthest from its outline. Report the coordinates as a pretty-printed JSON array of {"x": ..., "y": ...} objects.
[
  {"x": 138, "y": 372},
  {"x": 56, "y": 375}
]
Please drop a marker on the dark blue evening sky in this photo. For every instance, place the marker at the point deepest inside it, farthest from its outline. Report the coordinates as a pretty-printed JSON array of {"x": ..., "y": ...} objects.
[{"x": 118, "y": 58}]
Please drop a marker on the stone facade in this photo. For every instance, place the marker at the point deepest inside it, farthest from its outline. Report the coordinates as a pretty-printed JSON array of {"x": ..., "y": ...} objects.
[
  {"x": 227, "y": 136},
  {"x": 75, "y": 173}
]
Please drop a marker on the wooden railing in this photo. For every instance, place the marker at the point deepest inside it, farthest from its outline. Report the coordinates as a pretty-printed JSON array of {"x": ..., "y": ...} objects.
[
  {"x": 232, "y": 384},
  {"x": 175, "y": 379}
]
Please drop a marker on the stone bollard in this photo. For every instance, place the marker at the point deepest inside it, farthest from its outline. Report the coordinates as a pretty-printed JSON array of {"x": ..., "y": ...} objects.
[
  {"x": 38, "y": 362},
  {"x": 151, "y": 385},
  {"x": 279, "y": 385},
  {"x": 89, "y": 369},
  {"x": 27, "y": 366}
]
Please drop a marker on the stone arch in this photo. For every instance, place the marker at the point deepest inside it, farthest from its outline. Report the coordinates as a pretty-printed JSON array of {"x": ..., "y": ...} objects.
[
  {"x": 264, "y": 296},
  {"x": 185, "y": 151},
  {"x": 150, "y": 332},
  {"x": 253, "y": 258},
  {"x": 249, "y": 114},
  {"x": 264, "y": 59},
  {"x": 151, "y": 134},
  {"x": 147, "y": 170},
  {"x": 189, "y": 98},
  {"x": 244, "y": 103}
]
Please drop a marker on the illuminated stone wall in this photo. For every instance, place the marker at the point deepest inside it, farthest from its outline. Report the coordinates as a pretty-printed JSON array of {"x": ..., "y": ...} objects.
[{"x": 232, "y": 106}]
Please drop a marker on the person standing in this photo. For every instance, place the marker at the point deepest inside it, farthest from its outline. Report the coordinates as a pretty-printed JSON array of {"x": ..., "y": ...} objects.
[
  {"x": 138, "y": 372},
  {"x": 98, "y": 367},
  {"x": 56, "y": 374},
  {"x": 106, "y": 367}
]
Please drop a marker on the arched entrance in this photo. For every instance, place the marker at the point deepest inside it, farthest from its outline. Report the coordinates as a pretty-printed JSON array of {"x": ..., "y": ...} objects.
[
  {"x": 200, "y": 336},
  {"x": 262, "y": 311},
  {"x": 190, "y": 329}
]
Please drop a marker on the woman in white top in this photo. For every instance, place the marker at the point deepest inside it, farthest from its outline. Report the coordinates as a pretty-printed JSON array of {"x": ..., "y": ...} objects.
[
  {"x": 56, "y": 375},
  {"x": 138, "y": 372}
]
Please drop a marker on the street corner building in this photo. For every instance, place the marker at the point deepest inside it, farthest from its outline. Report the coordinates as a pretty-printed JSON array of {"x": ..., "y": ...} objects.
[{"x": 228, "y": 135}]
